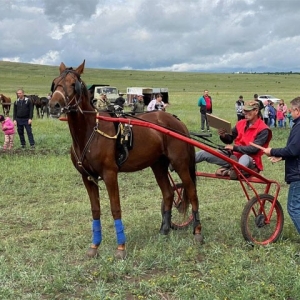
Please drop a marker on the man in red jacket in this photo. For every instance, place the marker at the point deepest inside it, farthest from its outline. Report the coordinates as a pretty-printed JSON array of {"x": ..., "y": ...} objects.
[{"x": 250, "y": 129}]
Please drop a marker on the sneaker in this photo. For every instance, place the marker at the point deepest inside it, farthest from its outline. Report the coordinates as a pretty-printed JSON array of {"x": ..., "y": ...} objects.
[
  {"x": 233, "y": 175},
  {"x": 202, "y": 130},
  {"x": 32, "y": 147}
]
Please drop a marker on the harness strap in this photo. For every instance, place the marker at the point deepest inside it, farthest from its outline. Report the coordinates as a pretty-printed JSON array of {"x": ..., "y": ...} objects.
[
  {"x": 80, "y": 159},
  {"x": 108, "y": 136}
]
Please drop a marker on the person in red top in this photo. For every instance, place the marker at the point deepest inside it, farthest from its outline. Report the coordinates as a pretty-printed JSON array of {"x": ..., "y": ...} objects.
[
  {"x": 283, "y": 107},
  {"x": 280, "y": 115},
  {"x": 205, "y": 104},
  {"x": 251, "y": 129}
]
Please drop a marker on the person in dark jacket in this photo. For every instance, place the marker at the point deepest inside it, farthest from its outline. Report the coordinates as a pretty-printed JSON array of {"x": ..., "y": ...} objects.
[
  {"x": 239, "y": 107},
  {"x": 22, "y": 116},
  {"x": 120, "y": 101},
  {"x": 205, "y": 104},
  {"x": 291, "y": 155}
]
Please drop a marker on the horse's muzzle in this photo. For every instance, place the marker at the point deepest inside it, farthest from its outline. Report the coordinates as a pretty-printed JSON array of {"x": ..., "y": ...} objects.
[{"x": 55, "y": 110}]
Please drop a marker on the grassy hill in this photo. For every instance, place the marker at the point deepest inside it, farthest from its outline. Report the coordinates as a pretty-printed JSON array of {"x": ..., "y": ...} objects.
[
  {"x": 37, "y": 79},
  {"x": 45, "y": 212}
]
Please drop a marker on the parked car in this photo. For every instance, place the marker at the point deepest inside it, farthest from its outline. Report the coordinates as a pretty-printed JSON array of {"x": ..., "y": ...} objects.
[{"x": 268, "y": 97}]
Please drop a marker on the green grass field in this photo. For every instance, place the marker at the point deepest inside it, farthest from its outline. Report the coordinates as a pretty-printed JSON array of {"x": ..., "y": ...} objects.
[{"x": 45, "y": 217}]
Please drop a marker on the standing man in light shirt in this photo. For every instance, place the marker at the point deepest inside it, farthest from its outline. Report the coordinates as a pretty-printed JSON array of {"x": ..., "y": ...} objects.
[{"x": 205, "y": 104}]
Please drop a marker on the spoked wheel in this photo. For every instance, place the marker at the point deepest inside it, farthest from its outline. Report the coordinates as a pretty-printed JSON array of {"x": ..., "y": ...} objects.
[
  {"x": 179, "y": 219},
  {"x": 255, "y": 225}
]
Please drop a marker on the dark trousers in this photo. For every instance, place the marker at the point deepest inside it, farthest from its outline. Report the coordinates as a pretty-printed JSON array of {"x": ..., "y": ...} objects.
[
  {"x": 21, "y": 124},
  {"x": 203, "y": 121}
]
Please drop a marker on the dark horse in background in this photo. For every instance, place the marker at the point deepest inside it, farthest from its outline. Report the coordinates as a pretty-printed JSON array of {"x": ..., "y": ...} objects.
[
  {"x": 41, "y": 105},
  {"x": 36, "y": 102},
  {"x": 94, "y": 153},
  {"x": 44, "y": 102},
  {"x": 6, "y": 103}
]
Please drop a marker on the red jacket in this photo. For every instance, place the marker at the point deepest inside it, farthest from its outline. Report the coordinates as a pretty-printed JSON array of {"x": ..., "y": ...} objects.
[{"x": 245, "y": 137}]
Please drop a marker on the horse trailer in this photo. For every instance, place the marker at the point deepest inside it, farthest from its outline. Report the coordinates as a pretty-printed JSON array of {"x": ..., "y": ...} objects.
[{"x": 148, "y": 92}]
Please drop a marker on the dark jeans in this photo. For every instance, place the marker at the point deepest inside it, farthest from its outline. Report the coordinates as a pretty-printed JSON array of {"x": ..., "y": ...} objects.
[
  {"x": 203, "y": 121},
  {"x": 21, "y": 124}
]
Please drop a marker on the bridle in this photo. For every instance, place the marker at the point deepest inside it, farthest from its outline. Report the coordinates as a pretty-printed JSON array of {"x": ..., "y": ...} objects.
[{"x": 77, "y": 95}]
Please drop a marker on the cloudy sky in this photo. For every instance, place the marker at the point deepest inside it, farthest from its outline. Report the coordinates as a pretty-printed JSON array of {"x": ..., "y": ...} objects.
[{"x": 170, "y": 35}]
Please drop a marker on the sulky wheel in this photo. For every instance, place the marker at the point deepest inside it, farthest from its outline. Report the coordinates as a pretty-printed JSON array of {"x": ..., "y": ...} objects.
[
  {"x": 254, "y": 222},
  {"x": 179, "y": 219}
]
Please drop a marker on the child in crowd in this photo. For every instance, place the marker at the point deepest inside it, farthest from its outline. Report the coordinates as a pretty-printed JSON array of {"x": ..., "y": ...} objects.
[
  {"x": 290, "y": 118},
  {"x": 9, "y": 132},
  {"x": 280, "y": 116}
]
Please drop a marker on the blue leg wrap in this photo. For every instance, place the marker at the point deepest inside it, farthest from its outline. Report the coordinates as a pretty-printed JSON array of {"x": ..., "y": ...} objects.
[
  {"x": 121, "y": 239},
  {"x": 97, "y": 234}
]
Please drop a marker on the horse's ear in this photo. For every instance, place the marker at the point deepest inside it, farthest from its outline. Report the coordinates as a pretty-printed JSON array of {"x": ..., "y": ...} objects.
[
  {"x": 80, "y": 69},
  {"x": 62, "y": 67}
]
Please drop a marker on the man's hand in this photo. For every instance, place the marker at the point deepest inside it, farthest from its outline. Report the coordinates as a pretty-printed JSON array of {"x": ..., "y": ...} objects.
[
  {"x": 274, "y": 159},
  {"x": 229, "y": 147},
  {"x": 267, "y": 151},
  {"x": 222, "y": 132},
  {"x": 29, "y": 121}
]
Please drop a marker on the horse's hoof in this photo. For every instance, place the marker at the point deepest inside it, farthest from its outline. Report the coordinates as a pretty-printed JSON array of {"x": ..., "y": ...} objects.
[
  {"x": 199, "y": 238},
  {"x": 164, "y": 232},
  {"x": 92, "y": 252},
  {"x": 120, "y": 254}
]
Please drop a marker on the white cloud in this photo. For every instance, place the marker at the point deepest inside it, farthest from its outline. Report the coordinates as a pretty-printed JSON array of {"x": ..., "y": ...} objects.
[
  {"x": 183, "y": 35},
  {"x": 57, "y": 33},
  {"x": 50, "y": 58},
  {"x": 12, "y": 59}
]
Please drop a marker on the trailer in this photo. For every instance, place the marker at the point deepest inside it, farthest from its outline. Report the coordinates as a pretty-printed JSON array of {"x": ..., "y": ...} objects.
[{"x": 148, "y": 92}]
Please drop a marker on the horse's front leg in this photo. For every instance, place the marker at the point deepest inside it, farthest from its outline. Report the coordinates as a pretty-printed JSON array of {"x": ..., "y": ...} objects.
[
  {"x": 93, "y": 192},
  {"x": 111, "y": 182},
  {"x": 160, "y": 171}
]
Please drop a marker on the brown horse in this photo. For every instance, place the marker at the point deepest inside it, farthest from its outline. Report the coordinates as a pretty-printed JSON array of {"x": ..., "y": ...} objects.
[
  {"x": 95, "y": 153},
  {"x": 6, "y": 103}
]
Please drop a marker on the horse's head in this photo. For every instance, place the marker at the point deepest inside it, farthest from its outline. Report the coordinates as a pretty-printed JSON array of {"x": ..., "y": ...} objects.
[{"x": 66, "y": 90}]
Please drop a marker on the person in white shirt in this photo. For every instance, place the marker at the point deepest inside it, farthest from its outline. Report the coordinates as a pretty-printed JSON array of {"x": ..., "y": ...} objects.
[{"x": 157, "y": 103}]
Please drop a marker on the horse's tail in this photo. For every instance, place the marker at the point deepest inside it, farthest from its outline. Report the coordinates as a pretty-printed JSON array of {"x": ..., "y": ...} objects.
[{"x": 192, "y": 170}]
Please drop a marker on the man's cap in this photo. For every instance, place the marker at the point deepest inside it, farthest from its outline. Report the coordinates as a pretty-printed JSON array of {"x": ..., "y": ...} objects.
[
  {"x": 140, "y": 95},
  {"x": 251, "y": 105}
]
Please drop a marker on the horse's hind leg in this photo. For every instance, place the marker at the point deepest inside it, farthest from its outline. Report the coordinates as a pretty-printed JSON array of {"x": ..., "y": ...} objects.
[
  {"x": 160, "y": 171},
  {"x": 93, "y": 193},
  {"x": 191, "y": 194}
]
